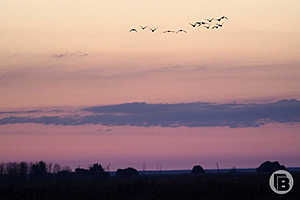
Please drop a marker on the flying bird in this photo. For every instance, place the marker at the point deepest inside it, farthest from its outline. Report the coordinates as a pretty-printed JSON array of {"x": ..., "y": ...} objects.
[
  {"x": 133, "y": 30},
  {"x": 215, "y": 27},
  {"x": 168, "y": 31},
  {"x": 220, "y": 25},
  {"x": 143, "y": 27},
  {"x": 210, "y": 20},
  {"x": 153, "y": 29},
  {"x": 199, "y": 23},
  {"x": 224, "y": 17},
  {"x": 193, "y": 25},
  {"x": 181, "y": 30},
  {"x": 207, "y": 27}
]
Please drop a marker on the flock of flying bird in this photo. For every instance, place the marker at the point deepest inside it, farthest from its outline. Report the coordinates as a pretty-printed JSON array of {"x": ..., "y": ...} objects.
[{"x": 210, "y": 23}]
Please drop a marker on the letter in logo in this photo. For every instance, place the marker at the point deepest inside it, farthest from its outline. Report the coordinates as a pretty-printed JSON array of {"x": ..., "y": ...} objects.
[{"x": 281, "y": 182}]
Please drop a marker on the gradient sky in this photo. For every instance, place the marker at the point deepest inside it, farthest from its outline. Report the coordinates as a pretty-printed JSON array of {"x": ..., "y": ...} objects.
[
  {"x": 122, "y": 66},
  {"x": 173, "y": 148},
  {"x": 80, "y": 53}
]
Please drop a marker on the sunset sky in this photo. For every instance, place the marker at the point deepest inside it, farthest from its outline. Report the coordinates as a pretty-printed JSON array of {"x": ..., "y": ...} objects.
[{"x": 70, "y": 54}]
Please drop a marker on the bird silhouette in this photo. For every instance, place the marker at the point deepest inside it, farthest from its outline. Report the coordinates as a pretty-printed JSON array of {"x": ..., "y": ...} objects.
[
  {"x": 201, "y": 23},
  {"x": 207, "y": 23},
  {"x": 133, "y": 30},
  {"x": 210, "y": 20},
  {"x": 220, "y": 19},
  {"x": 220, "y": 25},
  {"x": 168, "y": 31},
  {"x": 224, "y": 17},
  {"x": 153, "y": 29},
  {"x": 181, "y": 30},
  {"x": 198, "y": 23},
  {"x": 193, "y": 25}
]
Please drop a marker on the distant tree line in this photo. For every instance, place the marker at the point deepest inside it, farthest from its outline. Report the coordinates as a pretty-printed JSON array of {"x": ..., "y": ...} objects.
[
  {"x": 24, "y": 169},
  {"x": 42, "y": 169}
]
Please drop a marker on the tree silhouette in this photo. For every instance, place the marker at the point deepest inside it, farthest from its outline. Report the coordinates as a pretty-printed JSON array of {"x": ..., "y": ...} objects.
[
  {"x": 23, "y": 169},
  {"x": 96, "y": 169},
  {"x": 127, "y": 172},
  {"x": 270, "y": 167},
  {"x": 38, "y": 169},
  {"x": 56, "y": 168},
  {"x": 197, "y": 169}
]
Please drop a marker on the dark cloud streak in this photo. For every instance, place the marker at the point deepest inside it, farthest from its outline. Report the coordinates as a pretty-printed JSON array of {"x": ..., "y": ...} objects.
[
  {"x": 73, "y": 54},
  {"x": 20, "y": 112},
  {"x": 174, "y": 115}
]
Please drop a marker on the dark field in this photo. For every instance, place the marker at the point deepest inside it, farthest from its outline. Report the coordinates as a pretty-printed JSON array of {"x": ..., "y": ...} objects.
[{"x": 181, "y": 186}]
